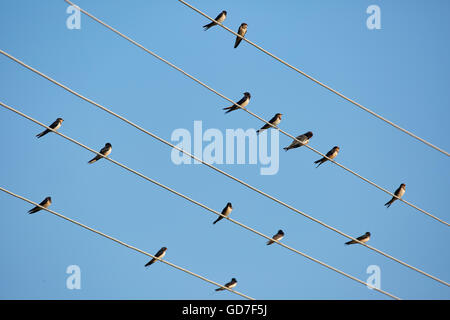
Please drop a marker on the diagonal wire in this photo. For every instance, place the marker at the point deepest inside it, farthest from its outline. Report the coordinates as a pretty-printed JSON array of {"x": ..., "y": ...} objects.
[
  {"x": 123, "y": 243},
  {"x": 226, "y": 174},
  {"x": 220, "y": 171},
  {"x": 248, "y": 111},
  {"x": 319, "y": 83},
  {"x": 198, "y": 203}
]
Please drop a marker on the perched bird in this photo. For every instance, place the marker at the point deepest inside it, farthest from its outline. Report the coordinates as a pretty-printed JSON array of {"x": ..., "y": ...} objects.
[
  {"x": 55, "y": 126},
  {"x": 242, "y": 31},
  {"x": 226, "y": 212},
  {"x": 106, "y": 150},
  {"x": 364, "y": 238},
  {"x": 398, "y": 194},
  {"x": 275, "y": 121},
  {"x": 304, "y": 139},
  {"x": 45, "y": 203},
  {"x": 278, "y": 236},
  {"x": 220, "y": 18},
  {"x": 331, "y": 154},
  {"x": 229, "y": 285},
  {"x": 243, "y": 103},
  {"x": 159, "y": 255}
]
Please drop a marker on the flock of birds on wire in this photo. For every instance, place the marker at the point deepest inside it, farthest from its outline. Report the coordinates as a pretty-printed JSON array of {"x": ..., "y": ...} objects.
[{"x": 300, "y": 140}]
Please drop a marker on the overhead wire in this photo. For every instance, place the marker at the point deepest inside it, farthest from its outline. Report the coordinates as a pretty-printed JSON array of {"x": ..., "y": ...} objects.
[
  {"x": 318, "y": 82},
  {"x": 125, "y": 244},
  {"x": 249, "y": 112},
  {"x": 198, "y": 203},
  {"x": 218, "y": 170}
]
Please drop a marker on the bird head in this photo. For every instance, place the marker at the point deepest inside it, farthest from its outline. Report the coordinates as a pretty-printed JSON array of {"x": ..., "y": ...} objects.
[
  {"x": 403, "y": 185},
  {"x": 309, "y": 134},
  {"x": 368, "y": 234},
  {"x": 279, "y": 115},
  {"x": 108, "y": 145},
  {"x": 229, "y": 205},
  {"x": 60, "y": 119},
  {"x": 336, "y": 148},
  {"x": 164, "y": 248},
  {"x": 247, "y": 94},
  {"x": 234, "y": 280},
  {"x": 224, "y": 12},
  {"x": 48, "y": 199},
  {"x": 280, "y": 232}
]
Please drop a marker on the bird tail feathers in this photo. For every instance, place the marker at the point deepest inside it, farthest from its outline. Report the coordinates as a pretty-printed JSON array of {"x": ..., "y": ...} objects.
[
  {"x": 42, "y": 133},
  {"x": 209, "y": 25},
  {"x": 388, "y": 204},
  {"x": 94, "y": 159},
  {"x": 150, "y": 262}
]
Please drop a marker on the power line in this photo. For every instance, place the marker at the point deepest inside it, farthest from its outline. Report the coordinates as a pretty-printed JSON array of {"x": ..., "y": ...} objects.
[
  {"x": 220, "y": 171},
  {"x": 198, "y": 203},
  {"x": 319, "y": 83},
  {"x": 124, "y": 244},
  {"x": 246, "y": 110}
]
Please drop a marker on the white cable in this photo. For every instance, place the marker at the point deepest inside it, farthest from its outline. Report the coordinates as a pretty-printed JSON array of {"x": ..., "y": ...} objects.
[
  {"x": 218, "y": 170},
  {"x": 198, "y": 203},
  {"x": 246, "y": 110},
  {"x": 123, "y": 243},
  {"x": 320, "y": 83}
]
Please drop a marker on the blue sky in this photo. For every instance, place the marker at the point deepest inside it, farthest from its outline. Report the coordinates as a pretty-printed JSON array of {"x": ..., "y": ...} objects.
[{"x": 400, "y": 71}]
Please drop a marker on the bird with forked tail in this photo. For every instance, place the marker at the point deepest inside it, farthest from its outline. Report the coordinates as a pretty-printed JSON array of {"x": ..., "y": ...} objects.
[
  {"x": 277, "y": 237},
  {"x": 303, "y": 139},
  {"x": 106, "y": 150},
  {"x": 220, "y": 18},
  {"x": 364, "y": 238},
  {"x": 55, "y": 126},
  {"x": 241, "y": 103},
  {"x": 229, "y": 285},
  {"x": 397, "y": 195},
  {"x": 45, "y": 203},
  {"x": 225, "y": 212},
  {"x": 159, "y": 255},
  {"x": 274, "y": 121},
  {"x": 330, "y": 154},
  {"x": 241, "y": 32}
]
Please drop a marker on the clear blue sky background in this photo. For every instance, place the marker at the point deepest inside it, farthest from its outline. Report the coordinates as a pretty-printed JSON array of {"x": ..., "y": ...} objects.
[{"x": 401, "y": 71}]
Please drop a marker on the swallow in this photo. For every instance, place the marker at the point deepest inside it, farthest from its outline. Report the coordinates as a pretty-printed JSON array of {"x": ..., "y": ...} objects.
[
  {"x": 159, "y": 255},
  {"x": 330, "y": 154},
  {"x": 106, "y": 150},
  {"x": 241, "y": 32},
  {"x": 45, "y": 203},
  {"x": 226, "y": 212},
  {"x": 304, "y": 139},
  {"x": 55, "y": 126},
  {"x": 364, "y": 238},
  {"x": 397, "y": 195},
  {"x": 275, "y": 121},
  {"x": 243, "y": 103},
  {"x": 278, "y": 236},
  {"x": 229, "y": 285},
  {"x": 220, "y": 18}
]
